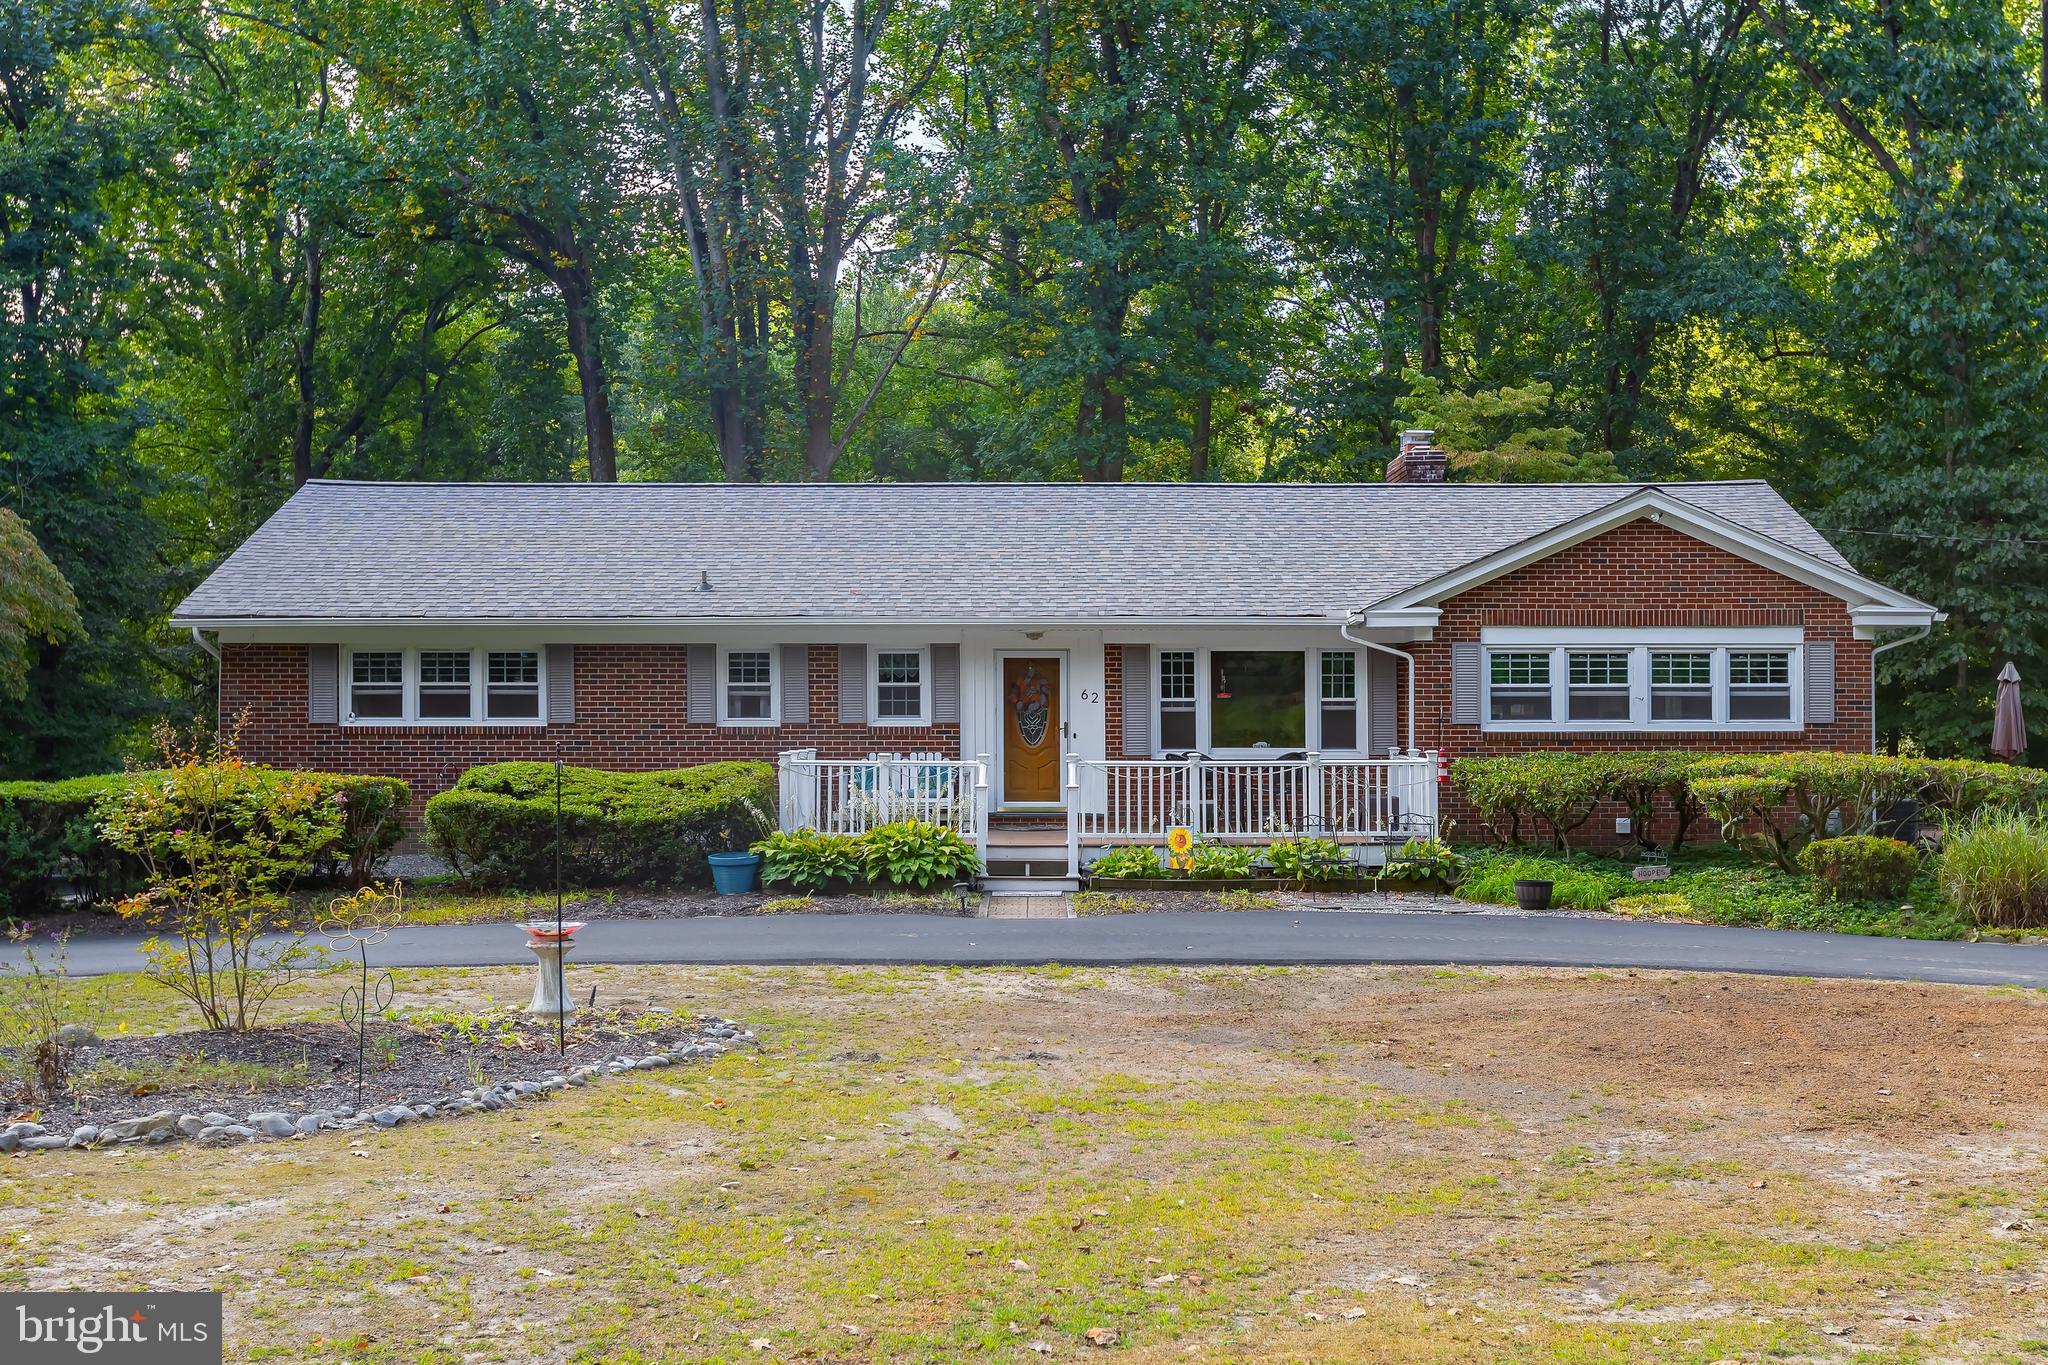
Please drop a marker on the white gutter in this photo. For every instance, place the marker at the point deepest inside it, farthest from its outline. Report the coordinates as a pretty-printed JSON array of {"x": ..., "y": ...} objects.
[{"x": 1344, "y": 629}]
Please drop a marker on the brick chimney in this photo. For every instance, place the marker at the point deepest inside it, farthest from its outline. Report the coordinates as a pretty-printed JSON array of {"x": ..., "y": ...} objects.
[{"x": 1420, "y": 460}]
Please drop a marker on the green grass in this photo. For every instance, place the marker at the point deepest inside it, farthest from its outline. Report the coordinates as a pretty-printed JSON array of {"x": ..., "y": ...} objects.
[
  {"x": 176, "y": 1074},
  {"x": 1717, "y": 885}
]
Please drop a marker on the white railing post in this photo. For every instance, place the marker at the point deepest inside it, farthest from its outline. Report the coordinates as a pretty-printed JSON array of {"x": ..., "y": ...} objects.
[
  {"x": 1193, "y": 802},
  {"x": 1073, "y": 815},
  {"x": 886, "y": 803},
  {"x": 981, "y": 808},
  {"x": 1312, "y": 806},
  {"x": 1433, "y": 792}
]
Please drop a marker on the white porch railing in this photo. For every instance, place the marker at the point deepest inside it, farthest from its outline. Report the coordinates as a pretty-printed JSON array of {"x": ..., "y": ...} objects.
[
  {"x": 852, "y": 796},
  {"x": 1350, "y": 800}
]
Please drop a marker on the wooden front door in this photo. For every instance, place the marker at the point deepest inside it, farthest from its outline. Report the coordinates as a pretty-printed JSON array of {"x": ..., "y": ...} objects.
[{"x": 1032, "y": 730}]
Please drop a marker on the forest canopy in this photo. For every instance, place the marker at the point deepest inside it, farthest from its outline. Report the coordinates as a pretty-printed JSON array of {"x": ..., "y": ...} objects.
[{"x": 244, "y": 245}]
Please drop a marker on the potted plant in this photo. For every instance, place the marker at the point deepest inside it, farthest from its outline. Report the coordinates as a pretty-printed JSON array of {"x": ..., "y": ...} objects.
[
  {"x": 1425, "y": 865},
  {"x": 737, "y": 870},
  {"x": 1532, "y": 893}
]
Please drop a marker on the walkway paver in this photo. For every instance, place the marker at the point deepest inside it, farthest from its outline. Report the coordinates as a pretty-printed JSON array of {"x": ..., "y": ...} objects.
[{"x": 1028, "y": 907}]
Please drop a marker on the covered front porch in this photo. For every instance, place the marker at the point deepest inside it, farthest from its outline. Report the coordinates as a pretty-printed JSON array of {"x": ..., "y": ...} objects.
[{"x": 1367, "y": 805}]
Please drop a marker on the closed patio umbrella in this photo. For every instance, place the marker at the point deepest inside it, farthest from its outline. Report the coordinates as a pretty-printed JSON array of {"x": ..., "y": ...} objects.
[{"x": 2008, "y": 724}]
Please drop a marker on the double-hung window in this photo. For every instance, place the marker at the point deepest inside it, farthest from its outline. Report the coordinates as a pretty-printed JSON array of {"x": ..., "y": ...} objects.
[
  {"x": 1340, "y": 700},
  {"x": 902, "y": 692},
  {"x": 512, "y": 685},
  {"x": 1520, "y": 685},
  {"x": 1681, "y": 684},
  {"x": 376, "y": 685},
  {"x": 445, "y": 692},
  {"x": 1759, "y": 684},
  {"x": 1177, "y": 700},
  {"x": 1599, "y": 685},
  {"x": 749, "y": 686},
  {"x": 442, "y": 686}
]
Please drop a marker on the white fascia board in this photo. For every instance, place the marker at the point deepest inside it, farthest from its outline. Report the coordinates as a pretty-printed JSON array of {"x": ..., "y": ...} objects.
[
  {"x": 1665, "y": 509},
  {"x": 1549, "y": 636},
  {"x": 1400, "y": 618},
  {"x": 697, "y": 629}
]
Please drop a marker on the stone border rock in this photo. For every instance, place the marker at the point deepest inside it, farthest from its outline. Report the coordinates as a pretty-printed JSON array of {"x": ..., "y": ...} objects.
[{"x": 217, "y": 1129}]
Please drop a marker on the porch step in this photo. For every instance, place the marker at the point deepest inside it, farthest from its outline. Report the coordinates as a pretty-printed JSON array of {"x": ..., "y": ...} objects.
[
  {"x": 1051, "y": 863},
  {"x": 1011, "y": 836},
  {"x": 1029, "y": 886}
]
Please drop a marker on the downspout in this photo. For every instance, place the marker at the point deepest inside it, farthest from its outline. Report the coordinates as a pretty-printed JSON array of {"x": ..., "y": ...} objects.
[
  {"x": 1403, "y": 655},
  {"x": 1916, "y": 634}
]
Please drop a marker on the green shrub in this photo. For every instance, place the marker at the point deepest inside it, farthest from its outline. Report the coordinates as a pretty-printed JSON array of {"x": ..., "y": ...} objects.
[
  {"x": 1134, "y": 862},
  {"x": 811, "y": 860},
  {"x": 1861, "y": 867},
  {"x": 497, "y": 824},
  {"x": 1654, "y": 905},
  {"x": 1308, "y": 860},
  {"x": 50, "y": 835},
  {"x": 1420, "y": 859},
  {"x": 1995, "y": 869},
  {"x": 917, "y": 854},
  {"x": 1776, "y": 804},
  {"x": 1221, "y": 862},
  {"x": 1647, "y": 780},
  {"x": 1548, "y": 788}
]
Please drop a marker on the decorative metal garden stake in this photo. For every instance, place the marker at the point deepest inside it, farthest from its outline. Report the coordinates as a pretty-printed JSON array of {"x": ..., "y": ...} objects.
[
  {"x": 561, "y": 968},
  {"x": 366, "y": 998}
]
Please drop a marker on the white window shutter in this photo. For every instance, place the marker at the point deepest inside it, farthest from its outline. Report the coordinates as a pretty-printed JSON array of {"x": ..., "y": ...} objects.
[
  {"x": 560, "y": 663},
  {"x": 1138, "y": 701},
  {"x": 323, "y": 684},
  {"x": 853, "y": 684},
  {"x": 1464, "y": 685},
  {"x": 1382, "y": 703},
  {"x": 700, "y": 671},
  {"x": 796, "y": 684},
  {"x": 1820, "y": 682},
  {"x": 945, "y": 684}
]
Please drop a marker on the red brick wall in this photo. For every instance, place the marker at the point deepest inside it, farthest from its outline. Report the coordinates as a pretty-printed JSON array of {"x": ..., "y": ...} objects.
[
  {"x": 632, "y": 708},
  {"x": 1647, "y": 575},
  {"x": 1113, "y": 702}
]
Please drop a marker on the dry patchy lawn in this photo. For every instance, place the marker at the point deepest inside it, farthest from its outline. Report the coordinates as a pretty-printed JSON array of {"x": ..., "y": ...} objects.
[{"x": 1304, "y": 1164}]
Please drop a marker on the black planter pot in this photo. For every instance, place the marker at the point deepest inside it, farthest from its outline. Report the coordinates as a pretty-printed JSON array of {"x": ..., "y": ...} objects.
[{"x": 1532, "y": 895}]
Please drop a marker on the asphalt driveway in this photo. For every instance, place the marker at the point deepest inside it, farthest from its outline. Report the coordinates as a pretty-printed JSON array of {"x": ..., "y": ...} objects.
[{"x": 1274, "y": 937}]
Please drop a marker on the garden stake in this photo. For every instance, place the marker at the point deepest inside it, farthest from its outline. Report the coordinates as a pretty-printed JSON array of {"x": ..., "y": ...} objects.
[
  {"x": 365, "y": 998},
  {"x": 561, "y": 966}
]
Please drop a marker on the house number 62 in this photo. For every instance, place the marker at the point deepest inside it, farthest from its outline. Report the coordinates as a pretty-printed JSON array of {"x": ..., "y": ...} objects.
[{"x": 1089, "y": 694}]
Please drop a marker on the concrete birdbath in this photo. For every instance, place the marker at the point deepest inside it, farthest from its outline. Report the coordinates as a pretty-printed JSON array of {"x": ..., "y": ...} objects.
[{"x": 549, "y": 944}]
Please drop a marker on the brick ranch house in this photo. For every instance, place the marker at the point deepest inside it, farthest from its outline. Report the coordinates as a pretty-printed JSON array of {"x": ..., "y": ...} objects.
[{"x": 1057, "y": 667}]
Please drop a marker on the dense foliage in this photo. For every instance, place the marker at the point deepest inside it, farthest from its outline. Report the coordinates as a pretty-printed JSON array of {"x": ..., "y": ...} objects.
[
  {"x": 1995, "y": 869},
  {"x": 915, "y": 854},
  {"x": 1862, "y": 867},
  {"x": 497, "y": 824},
  {"x": 242, "y": 247},
  {"x": 1773, "y": 803},
  {"x": 51, "y": 837}
]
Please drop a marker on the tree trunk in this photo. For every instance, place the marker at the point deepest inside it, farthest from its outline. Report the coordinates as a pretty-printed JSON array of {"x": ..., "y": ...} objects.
[
  {"x": 578, "y": 298},
  {"x": 308, "y": 389},
  {"x": 1199, "y": 440}
]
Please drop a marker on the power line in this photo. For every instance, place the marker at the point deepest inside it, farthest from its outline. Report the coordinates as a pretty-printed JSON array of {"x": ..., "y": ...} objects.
[{"x": 1928, "y": 535}]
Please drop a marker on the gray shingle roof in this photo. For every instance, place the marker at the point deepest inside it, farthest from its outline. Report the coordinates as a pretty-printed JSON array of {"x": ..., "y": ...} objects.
[{"x": 938, "y": 552}]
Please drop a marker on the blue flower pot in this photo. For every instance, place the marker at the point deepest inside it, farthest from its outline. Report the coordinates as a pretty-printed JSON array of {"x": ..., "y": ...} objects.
[{"x": 735, "y": 874}]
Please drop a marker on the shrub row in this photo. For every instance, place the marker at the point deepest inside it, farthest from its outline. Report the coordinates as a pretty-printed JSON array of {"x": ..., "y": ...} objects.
[
  {"x": 1775, "y": 803},
  {"x": 1299, "y": 860},
  {"x": 908, "y": 853},
  {"x": 51, "y": 836},
  {"x": 496, "y": 825}
]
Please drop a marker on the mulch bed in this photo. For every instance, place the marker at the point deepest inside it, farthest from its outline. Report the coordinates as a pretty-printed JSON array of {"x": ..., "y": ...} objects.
[{"x": 404, "y": 1063}]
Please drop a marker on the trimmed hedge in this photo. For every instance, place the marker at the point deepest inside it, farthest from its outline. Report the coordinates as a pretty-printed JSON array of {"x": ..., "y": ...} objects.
[
  {"x": 50, "y": 835},
  {"x": 497, "y": 823},
  {"x": 1862, "y": 867},
  {"x": 1772, "y": 803}
]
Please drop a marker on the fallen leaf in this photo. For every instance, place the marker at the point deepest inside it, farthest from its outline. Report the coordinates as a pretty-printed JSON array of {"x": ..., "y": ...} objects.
[
  {"x": 951, "y": 1154},
  {"x": 1016, "y": 1264},
  {"x": 1354, "y": 1312},
  {"x": 1039, "y": 1347},
  {"x": 1160, "y": 1281},
  {"x": 759, "y": 1343},
  {"x": 1102, "y": 1336},
  {"x": 1831, "y": 1330},
  {"x": 445, "y": 1208}
]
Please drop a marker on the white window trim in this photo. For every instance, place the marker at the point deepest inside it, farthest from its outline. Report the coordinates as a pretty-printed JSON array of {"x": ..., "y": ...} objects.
[
  {"x": 409, "y": 692},
  {"x": 876, "y": 720},
  {"x": 1639, "y": 645},
  {"x": 1312, "y": 697},
  {"x": 774, "y": 717}
]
